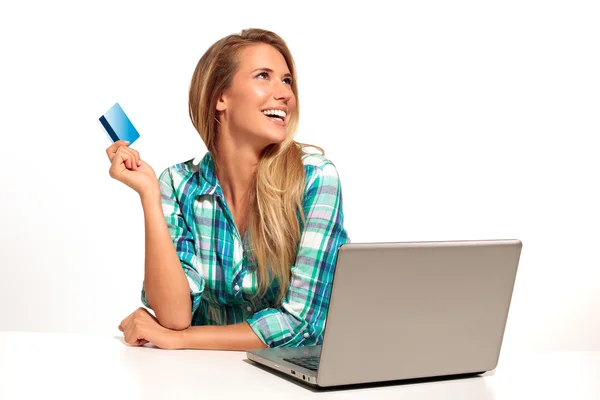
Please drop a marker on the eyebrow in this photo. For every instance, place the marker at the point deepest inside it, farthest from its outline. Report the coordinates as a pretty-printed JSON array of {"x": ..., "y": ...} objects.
[{"x": 270, "y": 70}]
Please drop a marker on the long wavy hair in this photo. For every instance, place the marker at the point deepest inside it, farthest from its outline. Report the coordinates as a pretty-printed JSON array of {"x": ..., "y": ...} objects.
[{"x": 275, "y": 202}]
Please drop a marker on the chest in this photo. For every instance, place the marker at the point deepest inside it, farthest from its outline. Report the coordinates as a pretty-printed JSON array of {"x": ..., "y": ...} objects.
[
  {"x": 222, "y": 247},
  {"x": 240, "y": 218}
]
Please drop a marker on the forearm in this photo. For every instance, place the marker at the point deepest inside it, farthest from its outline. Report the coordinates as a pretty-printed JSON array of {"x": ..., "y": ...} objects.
[
  {"x": 165, "y": 283},
  {"x": 239, "y": 337}
]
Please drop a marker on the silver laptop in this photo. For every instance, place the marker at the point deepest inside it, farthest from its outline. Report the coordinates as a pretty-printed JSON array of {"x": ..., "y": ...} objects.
[{"x": 408, "y": 310}]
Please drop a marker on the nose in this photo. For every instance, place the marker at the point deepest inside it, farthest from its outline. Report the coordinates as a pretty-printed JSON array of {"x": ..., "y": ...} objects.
[{"x": 283, "y": 91}]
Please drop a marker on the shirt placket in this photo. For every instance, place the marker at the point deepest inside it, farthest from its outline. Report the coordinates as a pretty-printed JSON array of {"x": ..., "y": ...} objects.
[{"x": 239, "y": 253}]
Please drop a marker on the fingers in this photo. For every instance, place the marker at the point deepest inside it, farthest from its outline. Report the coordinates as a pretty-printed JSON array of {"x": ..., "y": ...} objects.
[
  {"x": 134, "y": 159},
  {"x": 123, "y": 325},
  {"x": 112, "y": 149},
  {"x": 136, "y": 156},
  {"x": 131, "y": 334},
  {"x": 119, "y": 156},
  {"x": 129, "y": 155},
  {"x": 122, "y": 160},
  {"x": 131, "y": 328}
]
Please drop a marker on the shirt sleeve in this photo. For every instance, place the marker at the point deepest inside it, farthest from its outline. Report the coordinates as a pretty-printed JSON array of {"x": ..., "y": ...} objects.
[
  {"x": 182, "y": 237},
  {"x": 300, "y": 320}
]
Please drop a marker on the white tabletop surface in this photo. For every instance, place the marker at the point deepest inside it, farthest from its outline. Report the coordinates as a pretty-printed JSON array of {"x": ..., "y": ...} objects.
[{"x": 75, "y": 366}]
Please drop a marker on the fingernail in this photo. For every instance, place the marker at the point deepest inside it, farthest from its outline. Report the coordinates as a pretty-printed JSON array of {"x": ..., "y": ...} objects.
[
  {"x": 126, "y": 142},
  {"x": 139, "y": 162}
]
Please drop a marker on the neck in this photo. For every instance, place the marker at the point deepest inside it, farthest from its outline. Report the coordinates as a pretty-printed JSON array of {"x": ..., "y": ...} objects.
[{"x": 236, "y": 168}]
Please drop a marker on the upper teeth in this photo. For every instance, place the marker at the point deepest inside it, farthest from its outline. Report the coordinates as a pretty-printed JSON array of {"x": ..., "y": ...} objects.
[{"x": 280, "y": 113}]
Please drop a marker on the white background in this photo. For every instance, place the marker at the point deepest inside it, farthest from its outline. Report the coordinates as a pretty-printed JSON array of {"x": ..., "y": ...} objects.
[{"x": 446, "y": 120}]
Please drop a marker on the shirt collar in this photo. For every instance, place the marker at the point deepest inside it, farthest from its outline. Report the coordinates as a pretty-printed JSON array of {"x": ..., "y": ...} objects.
[{"x": 207, "y": 177}]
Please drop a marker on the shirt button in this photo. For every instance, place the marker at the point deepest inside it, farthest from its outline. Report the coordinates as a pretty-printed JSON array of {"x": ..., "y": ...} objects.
[
  {"x": 249, "y": 308},
  {"x": 236, "y": 288},
  {"x": 307, "y": 335}
]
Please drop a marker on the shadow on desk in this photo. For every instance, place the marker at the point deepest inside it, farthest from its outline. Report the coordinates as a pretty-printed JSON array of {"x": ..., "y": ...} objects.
[
  {"x": 142, "y": 364},
  {"x": 403, "y": 382}
]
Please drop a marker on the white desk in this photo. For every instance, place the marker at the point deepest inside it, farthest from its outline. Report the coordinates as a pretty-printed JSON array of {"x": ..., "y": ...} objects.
[{"x": 51, "y": 365}]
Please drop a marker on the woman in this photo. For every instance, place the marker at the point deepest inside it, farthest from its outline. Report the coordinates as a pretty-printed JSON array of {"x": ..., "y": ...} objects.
[{"x": 240, "y": 247}]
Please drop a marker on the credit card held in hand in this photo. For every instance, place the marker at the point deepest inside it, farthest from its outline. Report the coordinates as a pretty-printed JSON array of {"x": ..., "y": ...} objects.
[{"x": 118, "y": 126}]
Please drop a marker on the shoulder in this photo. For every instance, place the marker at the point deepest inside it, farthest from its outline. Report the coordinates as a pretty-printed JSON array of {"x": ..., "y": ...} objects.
[
  {"x": 317, "y": 163},
  {"x": 320, "y": 170},
  {"x": 312, "y": 159},
  {"x": 179, "y": 175}
]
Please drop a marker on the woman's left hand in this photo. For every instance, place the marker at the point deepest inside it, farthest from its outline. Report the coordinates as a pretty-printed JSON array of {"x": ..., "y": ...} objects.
[{"x": 141, "y": 327}]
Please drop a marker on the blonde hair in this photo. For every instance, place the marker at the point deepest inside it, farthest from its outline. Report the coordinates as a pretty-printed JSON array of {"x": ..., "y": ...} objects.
[{"x": 276, "y": 203}]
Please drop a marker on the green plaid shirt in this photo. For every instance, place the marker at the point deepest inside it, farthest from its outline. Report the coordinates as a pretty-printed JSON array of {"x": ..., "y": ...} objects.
[{"x": 220, "y": 266}]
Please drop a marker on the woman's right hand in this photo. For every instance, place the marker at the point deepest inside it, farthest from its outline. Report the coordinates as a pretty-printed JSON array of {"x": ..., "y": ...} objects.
[{"x": 127, "y": 167}]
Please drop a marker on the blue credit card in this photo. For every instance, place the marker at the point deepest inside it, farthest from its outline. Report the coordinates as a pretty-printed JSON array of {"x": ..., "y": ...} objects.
[{"x": 118, "y": 126}]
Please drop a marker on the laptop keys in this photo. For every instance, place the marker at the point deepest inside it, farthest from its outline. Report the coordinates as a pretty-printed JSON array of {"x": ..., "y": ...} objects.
[{"x": 311, "y": 362}]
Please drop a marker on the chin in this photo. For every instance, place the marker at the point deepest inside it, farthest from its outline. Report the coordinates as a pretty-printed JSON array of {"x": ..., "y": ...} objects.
[{"x": 276, "y": 138}]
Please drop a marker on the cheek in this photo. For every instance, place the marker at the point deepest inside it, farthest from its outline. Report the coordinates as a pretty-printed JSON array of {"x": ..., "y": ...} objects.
[
  {"x": 255, "y": 93},
  {"x": 251, "y": 101},
  {"x": 292, "y": 104},
  {"x": 260, "y": 94}
]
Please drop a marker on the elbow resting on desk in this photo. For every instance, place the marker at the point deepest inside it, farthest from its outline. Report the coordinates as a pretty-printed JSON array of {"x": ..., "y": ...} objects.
[
  {"x": 177, "y": 317},
  {"x": 177, "y": 323}
]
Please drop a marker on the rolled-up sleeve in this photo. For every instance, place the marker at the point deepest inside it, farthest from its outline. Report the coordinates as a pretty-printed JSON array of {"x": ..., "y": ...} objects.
[
  {"x": 182, "y": 237},
  {"x": 300, "y": 320}
]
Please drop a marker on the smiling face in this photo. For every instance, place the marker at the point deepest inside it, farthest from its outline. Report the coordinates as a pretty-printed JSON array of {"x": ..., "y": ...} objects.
[{"x": 262, "y": 82}]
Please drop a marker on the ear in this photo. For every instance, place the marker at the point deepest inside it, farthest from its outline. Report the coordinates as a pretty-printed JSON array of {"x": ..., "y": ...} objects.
[{"x": 221, "y": 103}]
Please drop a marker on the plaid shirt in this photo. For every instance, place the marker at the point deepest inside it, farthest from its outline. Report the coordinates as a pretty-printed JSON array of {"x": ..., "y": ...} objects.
[{"x": 220, "y": 266}]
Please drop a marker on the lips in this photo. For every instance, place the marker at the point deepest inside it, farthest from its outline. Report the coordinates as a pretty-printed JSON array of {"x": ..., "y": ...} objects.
[{"x": 276, "y": 121}]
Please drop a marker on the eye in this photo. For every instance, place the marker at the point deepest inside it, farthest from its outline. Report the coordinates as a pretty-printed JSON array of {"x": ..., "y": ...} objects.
[{"x": 289, "y": 80}]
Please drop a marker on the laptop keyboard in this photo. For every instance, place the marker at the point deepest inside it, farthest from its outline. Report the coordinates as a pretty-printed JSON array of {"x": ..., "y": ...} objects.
[{"x": 310, "y": 362}]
